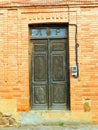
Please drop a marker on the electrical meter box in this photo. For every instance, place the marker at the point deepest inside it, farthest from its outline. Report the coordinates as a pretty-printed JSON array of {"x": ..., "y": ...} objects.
[{"x": 74, "y": 71}]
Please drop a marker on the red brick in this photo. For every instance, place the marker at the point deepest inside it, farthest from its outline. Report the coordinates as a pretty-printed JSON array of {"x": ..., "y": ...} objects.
[{"x": 14, "y": 56}]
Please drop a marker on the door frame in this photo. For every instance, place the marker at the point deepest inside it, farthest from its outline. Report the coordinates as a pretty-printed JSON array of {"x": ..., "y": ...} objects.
[{"x": 67, "y": 60}]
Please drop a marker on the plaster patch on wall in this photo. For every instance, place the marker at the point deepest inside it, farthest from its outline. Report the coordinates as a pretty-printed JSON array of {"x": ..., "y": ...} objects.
[
  {"x": 87, "y": 104},
  {"x": 54, "y": 117},
  {"x": 31, "y": 118},
  {"x": 8, "y": 105}
]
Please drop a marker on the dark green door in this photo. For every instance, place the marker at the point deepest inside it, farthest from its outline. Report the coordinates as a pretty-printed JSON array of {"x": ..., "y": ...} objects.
[{"x": 49, "y": 73}]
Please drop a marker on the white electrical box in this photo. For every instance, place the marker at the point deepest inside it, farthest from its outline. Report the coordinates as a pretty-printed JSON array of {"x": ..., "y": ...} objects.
[{"x": 74, "y": 71}]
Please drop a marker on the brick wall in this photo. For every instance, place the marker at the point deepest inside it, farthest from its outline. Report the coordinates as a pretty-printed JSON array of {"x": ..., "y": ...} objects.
[
  {"x": 89, "y": 56},
  {"x": 15, "y": 48},
  {"x": 85, "y": 87},
  {"x": 44, "y": 2}
]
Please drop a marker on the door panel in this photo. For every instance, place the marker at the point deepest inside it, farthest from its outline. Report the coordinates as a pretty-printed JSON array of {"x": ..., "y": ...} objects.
[
  {"x": 57, "y": 67},
  {"x": 57, "y": 45},
  {"x": 58, "y": 74},
  {"x": 40, "y": 94},
  {"x": 58, "y": 93},
  {"x": 39, "y": 74},
  {"x": 40, "y": 67}
]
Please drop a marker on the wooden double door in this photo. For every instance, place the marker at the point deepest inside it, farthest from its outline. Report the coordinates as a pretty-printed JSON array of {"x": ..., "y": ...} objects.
[{"x": 49, "y": 74}]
